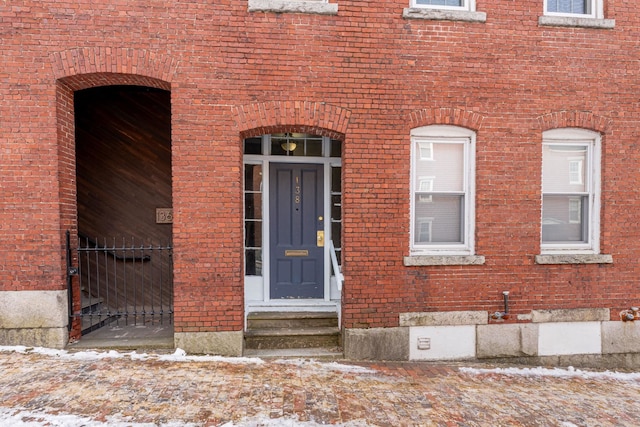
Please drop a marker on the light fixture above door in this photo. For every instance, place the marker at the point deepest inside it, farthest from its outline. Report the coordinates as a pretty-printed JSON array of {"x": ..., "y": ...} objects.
[{"x": 288, "y": 145}]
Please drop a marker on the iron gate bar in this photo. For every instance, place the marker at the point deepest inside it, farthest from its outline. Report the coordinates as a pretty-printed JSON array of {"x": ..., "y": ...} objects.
[
  {"x": 71, "y": 271},
  {"x": 124, "y": 281}
]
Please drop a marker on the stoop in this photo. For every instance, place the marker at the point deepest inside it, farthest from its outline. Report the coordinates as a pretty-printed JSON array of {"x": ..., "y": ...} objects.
[{"x": 293, "y": 334}]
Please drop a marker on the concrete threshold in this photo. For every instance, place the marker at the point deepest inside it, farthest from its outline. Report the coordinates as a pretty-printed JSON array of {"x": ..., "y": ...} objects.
[{"x": 127, "y": 337}]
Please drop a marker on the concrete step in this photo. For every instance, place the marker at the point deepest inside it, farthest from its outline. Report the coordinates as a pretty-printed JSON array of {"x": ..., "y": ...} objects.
[
  {"x": 287, "y": 338},
  {"x": 93, "y": 322},
  {"x": 91, "y": 304},
  {"x": 291, "y": 320},
  {"x": 271, "y": 330}
]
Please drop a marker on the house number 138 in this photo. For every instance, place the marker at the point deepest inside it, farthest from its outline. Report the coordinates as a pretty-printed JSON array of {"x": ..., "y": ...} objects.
[{"x": 297, "y": 191}]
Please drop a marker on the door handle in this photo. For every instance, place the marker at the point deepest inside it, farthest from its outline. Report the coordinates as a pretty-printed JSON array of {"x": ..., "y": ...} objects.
[{"x": 320, "y": 238}]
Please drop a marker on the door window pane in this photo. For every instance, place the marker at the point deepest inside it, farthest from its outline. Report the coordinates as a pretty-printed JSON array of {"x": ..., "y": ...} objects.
[
  {"x": 253, "y": 219},
  {"x": 253, "y": 146},
  {"x": 336, "y": 210}
]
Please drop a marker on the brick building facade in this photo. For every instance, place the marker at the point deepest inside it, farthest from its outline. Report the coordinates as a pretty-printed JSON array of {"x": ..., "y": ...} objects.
[{"x": 474, "y": 162}]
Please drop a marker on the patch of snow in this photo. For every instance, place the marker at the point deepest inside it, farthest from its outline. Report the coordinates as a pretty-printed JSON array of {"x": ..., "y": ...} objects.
[
  {"x": 12, "y": 417},
  {"x": 569, "y": 372},
  {"x": 332, "y": 366},
  {"x": 181, "y": 356},
  {"x": 178, "y": 356}
]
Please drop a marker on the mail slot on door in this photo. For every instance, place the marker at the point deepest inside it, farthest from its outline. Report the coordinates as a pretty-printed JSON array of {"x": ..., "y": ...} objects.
[{"x": 296, "y": 252}]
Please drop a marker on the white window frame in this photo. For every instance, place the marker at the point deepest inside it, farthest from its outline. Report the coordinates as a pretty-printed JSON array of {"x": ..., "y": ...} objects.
[
  {"x": 591, "y": 140},
  {"x": 469, "y": 5},
  {"x": 453, "y": 134},
  {"x": 596, "y": 12}
]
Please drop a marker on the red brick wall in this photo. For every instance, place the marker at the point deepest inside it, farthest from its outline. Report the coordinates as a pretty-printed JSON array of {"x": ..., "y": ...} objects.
[{"x": 375, "y": 76}]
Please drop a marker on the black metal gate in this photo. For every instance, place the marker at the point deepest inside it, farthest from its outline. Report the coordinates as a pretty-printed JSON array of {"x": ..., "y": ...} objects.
[{"x": 122, "y": 281}]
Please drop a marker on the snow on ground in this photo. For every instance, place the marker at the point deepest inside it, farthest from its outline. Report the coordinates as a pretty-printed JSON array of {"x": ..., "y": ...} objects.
[
  {"x": 332, "y": 366},
  {"x": 181, "y": 356},
  {"x": 569, "y": 372},
  {"x": 12, "y": 417},
  {"x": 178, "y": 356},
  {"x": 22, "y": 417}
]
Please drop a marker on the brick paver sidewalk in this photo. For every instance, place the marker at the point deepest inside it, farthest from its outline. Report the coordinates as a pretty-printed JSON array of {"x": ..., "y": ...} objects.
[{"x": 169, "y": 390}]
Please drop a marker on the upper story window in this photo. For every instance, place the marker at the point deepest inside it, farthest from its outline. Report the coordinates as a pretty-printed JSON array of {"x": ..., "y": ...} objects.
[
  {"x": 570, "y": 191},
  {"x": 586, "y": 8},
  {"x": 575, "y": 13},
  {"x": 444, "y": 10},
  {"x": 445, "y": 4},
  {"x": 442, "y": 190}
]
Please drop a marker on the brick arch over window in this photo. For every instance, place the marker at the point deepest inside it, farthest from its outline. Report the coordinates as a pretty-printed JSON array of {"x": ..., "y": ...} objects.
[
  {"x": 574, "y": 119},
  {"x": 446, "y": 116},
  {"x": 292, "y": 116}
]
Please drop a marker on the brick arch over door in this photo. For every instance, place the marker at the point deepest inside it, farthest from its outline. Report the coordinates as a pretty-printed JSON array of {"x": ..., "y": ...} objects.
[
  {"x": 80, "y": 69},
  {"x": 446, "y": 116},
  {"x": 574, "y": 119},
  {"x": 84, "y": 68},
  {"x": 76, "y": 65},
  {"x": 292, "y": 116}
]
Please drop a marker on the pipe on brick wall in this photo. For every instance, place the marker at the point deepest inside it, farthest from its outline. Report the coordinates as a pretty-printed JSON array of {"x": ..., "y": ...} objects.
[
  {"x": 630, "y": 315},
  {"x": 500, "y": 315}
]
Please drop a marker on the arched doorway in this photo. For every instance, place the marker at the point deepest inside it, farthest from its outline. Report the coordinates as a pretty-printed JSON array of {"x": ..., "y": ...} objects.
[{"x": 123, "y": 175}]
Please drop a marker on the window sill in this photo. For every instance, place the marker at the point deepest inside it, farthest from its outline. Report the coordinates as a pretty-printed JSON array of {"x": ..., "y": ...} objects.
[
  {"x": 443, "y": 15},
  {"x": 564, "y": 21},
  {"x": 420, "y": 260},
  {"x": 574, "y": 259},
  {"x": 293, "y": 6}
]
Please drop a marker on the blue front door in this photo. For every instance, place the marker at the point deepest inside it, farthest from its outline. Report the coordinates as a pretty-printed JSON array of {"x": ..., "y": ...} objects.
[{"x": 296, "y": 218}]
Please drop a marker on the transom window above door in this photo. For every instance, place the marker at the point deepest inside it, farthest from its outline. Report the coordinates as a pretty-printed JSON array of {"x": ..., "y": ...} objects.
[{"x": 293, "y": 144}]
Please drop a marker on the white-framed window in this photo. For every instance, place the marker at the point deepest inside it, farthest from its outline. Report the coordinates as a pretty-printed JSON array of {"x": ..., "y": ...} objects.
[
  {"x": 445, "y": 4},
  {"x": 570, "y": 191},
  {"x": 573, "y": 8},
  {"x": 442, "y": 191}
]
